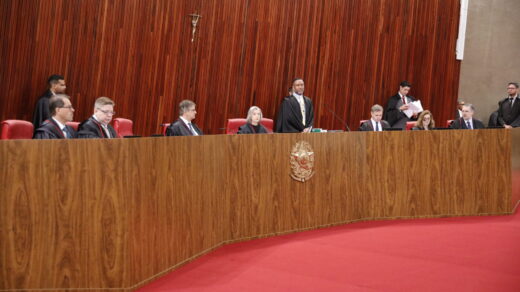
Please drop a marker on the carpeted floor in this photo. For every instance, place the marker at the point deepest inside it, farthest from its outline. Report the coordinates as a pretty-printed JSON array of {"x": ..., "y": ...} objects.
[{"x": 452, "y": 254}]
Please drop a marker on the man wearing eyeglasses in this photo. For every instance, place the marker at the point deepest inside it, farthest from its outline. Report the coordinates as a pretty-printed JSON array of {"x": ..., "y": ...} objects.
[
  {"x": 98, "y": 125},
  {"x": 56, "y": 127},
  {"x": 509, "y": 108}
]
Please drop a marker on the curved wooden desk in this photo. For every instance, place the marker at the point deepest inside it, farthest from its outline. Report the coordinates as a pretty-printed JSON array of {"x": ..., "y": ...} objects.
[{"x": 110, "y": 215}]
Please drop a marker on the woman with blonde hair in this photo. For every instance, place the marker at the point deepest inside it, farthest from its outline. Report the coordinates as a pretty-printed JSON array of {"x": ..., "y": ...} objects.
[
  {"x": 253, "y": 126},
  {"x": 425, "y": 121}
]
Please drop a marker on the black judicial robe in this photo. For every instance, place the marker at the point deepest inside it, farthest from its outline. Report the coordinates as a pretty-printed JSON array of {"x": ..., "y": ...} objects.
[
  {"x": 368, "y": 127},
  {"x": 92, "y": 129},
  {"x": 508, "y": 115},
  {"x": 51, "y": 130},
  {"x": 249, "y": 129},
  {"x": 179, "y": 128},
  {"x": 393, "y": 115},
  {"x": 41, "y": 110},
  {"x": 461, "y": 124},
  {"x": 289, "y": 119}
]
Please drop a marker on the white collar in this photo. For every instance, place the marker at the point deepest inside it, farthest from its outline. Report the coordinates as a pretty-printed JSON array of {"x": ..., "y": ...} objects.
[
  {"x": 184, "y": 120},
  {"x": 298, "y": 96},
  {"x": 102, "y": 124},
  {"x": 62, "y": 126}
]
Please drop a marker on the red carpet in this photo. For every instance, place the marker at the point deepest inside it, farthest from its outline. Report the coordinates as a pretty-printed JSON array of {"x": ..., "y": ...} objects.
[{"x": 452, "y": 254}]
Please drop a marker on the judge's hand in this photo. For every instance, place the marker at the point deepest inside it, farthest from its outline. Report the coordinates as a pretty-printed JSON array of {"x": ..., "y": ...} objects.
[
  {"x": 508, "y": 127},
  {"x": 404, "y": 107},
  {"x": 307, "y": 130}
]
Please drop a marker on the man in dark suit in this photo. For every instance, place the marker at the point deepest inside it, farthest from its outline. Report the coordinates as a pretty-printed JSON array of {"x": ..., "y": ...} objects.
[
  {"x": 56, "y": 126},
  {"x": 41, "y": 111},
  {"x": 98, "y": 125},
  {"x": 296, "y": 113},
  {"x": 184, "y": 126},
  {"x": 375, "y": 124},
  {"x": 397, "y": 104},
  {"x": 509, "y": 108},
  {"x": 467, "y": 121},
  {"x": 458, "y": 112}
]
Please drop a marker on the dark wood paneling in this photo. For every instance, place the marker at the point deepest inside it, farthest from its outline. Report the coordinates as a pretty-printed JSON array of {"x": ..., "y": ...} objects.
[
  {"x": 351, "y": 53},
  {"x": 115, "y": 213}
]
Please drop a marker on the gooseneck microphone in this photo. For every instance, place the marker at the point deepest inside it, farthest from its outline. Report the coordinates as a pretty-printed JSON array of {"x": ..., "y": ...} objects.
[{"x": 338, "y": 118}]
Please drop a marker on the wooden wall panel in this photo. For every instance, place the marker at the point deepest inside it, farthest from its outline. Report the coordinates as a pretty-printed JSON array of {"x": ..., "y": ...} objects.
[
  {"x": 100, "y": 214},
  {"x": 351, "y": 54}
]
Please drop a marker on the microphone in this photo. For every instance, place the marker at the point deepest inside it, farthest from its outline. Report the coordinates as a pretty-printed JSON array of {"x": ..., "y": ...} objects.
[{"x": 338, "y": 118}]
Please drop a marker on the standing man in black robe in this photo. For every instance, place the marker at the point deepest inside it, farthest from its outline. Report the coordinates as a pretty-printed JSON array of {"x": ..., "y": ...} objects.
[
  {"x": 184, "y": 126},
  {"x": 509, "y": 107},
  {"x": 98, "y": 125},
  {"x": 41, "y": 111},
  {"x": 56, "y": 126},
  {"x": 296, "y": 113},
  {"x": 398, "y": 103}
]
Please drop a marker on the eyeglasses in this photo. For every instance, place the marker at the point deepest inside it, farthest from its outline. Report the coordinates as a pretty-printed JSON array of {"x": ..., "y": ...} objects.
[
  {"x": 511, "y": 88},
  {"x": 107, "y": 112}
]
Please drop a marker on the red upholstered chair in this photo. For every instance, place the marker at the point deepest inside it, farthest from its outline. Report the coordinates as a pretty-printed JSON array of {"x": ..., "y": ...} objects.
[
  {"x": 74, "y": 125},
  {"x": 164, "y": 127},
  {"x": 123, "y": 127},
  {"x": 268, "y": 124},
  {"x": 361, "y": 123},
  {"x": 448, "y": 123},
  {"x": 234, "y": 124},
  {"x": 16, "y": 129},
  {"x": 410, "y": 125}
]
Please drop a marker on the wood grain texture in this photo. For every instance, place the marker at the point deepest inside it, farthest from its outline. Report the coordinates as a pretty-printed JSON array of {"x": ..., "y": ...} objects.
[
  {"x": 112, "y": 214},
  {"x": 352, "y": 54}
]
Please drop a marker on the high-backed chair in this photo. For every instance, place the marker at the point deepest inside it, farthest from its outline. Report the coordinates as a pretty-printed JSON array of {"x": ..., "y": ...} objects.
[
  {"x": 74, "y": 125},
  {"x": 164, "y": 127},
  {"x": 448, "y": 123},
  {"x": 16, "y": 129},
  {"x": 123, "y": 127},
  {"x": 234, "y": 124},
  {"x": 410, "y": 125},
  {"x": 268, "y": 124}
]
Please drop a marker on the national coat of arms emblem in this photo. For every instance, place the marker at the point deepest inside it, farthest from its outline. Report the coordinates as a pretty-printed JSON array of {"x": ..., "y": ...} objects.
[{"x": 302, "y": 161}]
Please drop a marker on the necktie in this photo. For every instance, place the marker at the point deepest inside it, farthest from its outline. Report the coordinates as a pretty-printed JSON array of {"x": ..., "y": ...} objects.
[
  {"x": 377, "y": 126},
  {"x": 66, "y": 132},
  {"x": 191, "y": 128},
  {"x": 469, "y": 125},
  {"x": 511, "y": 101},
  {"x": 107, "y": 132},
  {"x": 302, "y": 109},
  {"x": 404, "y": 99}
]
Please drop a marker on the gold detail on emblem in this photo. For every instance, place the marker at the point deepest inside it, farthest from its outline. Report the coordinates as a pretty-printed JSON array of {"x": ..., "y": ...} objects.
[{"x": 302, "y": 161}]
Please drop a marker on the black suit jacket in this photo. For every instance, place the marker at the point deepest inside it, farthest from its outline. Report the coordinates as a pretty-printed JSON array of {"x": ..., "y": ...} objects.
[
  {"x": 41, "y": 110},
  {"x": 248, "y": 129},
  {"x": 92, "y": 129},
  {"x": 51, "y": 130},
  {"x": 179, "y": 128},
  {"x": 367, "y": 126},
  {"x": 460, "y": 124},
  {"x": 289, "y": 119},
  {"x": 507, "y": 115},
  {"x": 392, "y": 113}
]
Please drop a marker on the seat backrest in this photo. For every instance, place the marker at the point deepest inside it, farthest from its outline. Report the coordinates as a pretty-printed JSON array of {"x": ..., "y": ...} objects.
[
  {"x": 164, "y": 127},
  {"x": 233, "y": 125},
  {"x": 268, "y": 124},
  {"x": 448, "y": 123},
  {"x": 361, "y": 122},
  {"x": 74, "y": 125},
  {"x": 410, "y": 125},
  {"x": 16, "y": 129},
  {"x": 123, "y": 127}
]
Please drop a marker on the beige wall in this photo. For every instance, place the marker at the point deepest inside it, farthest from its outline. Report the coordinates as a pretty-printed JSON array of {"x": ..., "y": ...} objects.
[{"x": 491, "y": 55}]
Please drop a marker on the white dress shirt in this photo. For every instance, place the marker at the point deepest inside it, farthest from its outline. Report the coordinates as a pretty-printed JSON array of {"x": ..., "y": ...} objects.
[
  {"x": 191, "y": 128},
  {"x": 62, "y": 128}
]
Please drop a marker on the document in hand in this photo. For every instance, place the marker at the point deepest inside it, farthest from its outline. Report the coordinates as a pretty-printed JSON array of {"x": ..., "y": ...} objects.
[{"x": 413, "y": 107}]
